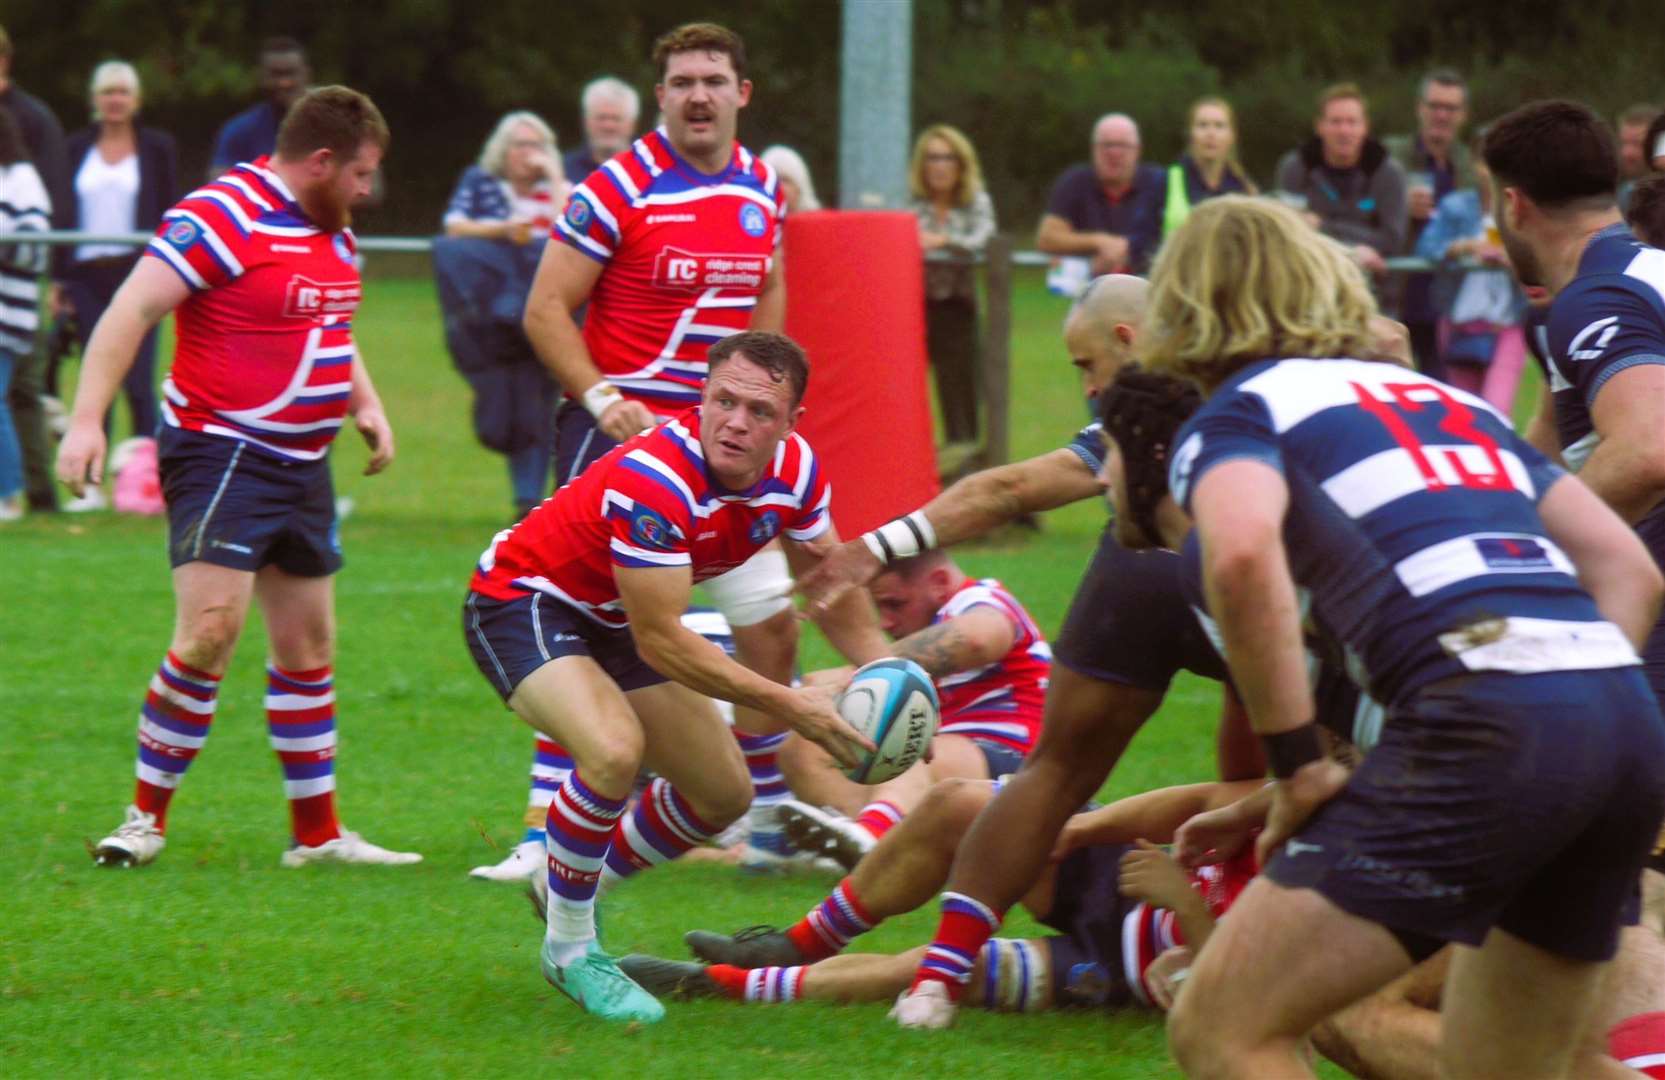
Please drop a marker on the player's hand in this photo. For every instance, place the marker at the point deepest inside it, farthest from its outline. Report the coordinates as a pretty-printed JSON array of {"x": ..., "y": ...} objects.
[
  {"x": 814, "y": 718},
  {"x": 848, "y": 566},
  {"x": 1166, "y": 974},
  {"x": 1212, "y": 836},
  {"x": 378, "y": 436},
  {"x": 1070, "y": 838},
  {"x": 625, "y": 419},
  {"x": 1150, "y": 874},
  {"x": 1295, "y": 799},
  {"x": 81, "y": 455}
]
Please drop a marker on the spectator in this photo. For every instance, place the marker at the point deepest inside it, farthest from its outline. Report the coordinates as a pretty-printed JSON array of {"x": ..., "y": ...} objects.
[
  {"x": 1351, "y": 190},
  {"x": 1634, "y": 153},
  {"x": 125, "y": 176},
  {"x": 1654, "y": 144},
  {"x": 1647, "y": 210},
  {"x": 284, "y": 74},
  {"x": 1209, "y": 166},
  {"x": 1436, "y": 163},
  {"x": 1107, "y": 214},
  {"x": 611, "y": 108},
  {"x": 44, "y": 140},
  {"x": 24, "y": 207},
  {"x": 1480, "y": 338},
  {"x": 794, "y": 176},
  {"x": 955, "y": 216},
  {"x": 496, "y": 224}
]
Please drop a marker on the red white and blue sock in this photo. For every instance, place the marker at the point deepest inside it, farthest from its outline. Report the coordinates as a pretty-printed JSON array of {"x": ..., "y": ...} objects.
[
  {"x": 966, "y": 925},
  {"x": 879, "y": 817},
  {"x": 1639, "y": 1043},
  {"x": 173, "y": 725},
  {"x": 551, "y": 765},
  {"x": 830, "y": 926},
  {"x": 769, "y": 790},
  {"x": 579, "y": 824},
  {"x": 300, "y": 717},
  {"x": 762, "y": 986},
  {"x": 661, "y": 827}
]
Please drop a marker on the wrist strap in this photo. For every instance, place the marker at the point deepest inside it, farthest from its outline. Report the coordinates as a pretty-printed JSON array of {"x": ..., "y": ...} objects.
[
  {"x": 901, "y": 538},
  {"x": 1287, "y": 751},
  {"x": 598, "y": 397}
]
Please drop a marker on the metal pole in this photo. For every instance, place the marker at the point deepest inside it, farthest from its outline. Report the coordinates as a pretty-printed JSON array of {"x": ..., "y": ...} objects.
[{"x": 875, "y": 106}]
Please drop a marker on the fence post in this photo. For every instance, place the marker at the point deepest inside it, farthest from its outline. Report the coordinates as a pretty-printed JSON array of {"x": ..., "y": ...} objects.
[{"x": 996, "y": 368}]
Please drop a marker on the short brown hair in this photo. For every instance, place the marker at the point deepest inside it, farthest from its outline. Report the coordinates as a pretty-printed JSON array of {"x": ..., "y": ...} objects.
[
  {"x": 700, "y": 37},
  {"x": 777, "y": 354},
  {"x": 1341, "y": 91},
  {"x": 333, "y": 118}
]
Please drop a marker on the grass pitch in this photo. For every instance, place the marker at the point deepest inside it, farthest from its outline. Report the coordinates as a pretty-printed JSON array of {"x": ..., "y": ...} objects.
[{"x": 214, "y": 961}]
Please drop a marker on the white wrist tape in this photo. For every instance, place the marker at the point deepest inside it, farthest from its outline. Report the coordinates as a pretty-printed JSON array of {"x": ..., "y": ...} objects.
[
  {"x": 598, "y": 397},
  {"x": 902, "y": 538}
]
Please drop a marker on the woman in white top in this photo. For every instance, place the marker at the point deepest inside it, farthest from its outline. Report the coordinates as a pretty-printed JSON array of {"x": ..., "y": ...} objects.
[{"x": 124, "y": 176}]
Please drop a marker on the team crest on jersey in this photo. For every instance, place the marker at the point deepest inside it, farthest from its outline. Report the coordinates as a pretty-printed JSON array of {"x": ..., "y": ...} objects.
[
  {"x": 578, "y": 214},
  {"x": 753, "y": 220},
  {"x": 182, "y": 233},
  {"x": 650, "y": 530},
  {"x": 764, "y": 528},
  {"x": 343, "y": 250}
]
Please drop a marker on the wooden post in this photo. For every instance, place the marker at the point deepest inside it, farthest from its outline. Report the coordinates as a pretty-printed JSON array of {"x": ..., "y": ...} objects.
[{"x": 996, "y": 368}]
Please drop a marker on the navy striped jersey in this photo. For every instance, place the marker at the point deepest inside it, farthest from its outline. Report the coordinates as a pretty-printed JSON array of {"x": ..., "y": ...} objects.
[
  {"x": 1088, "y": 445},
  {"x": 1412, "y": 525}
]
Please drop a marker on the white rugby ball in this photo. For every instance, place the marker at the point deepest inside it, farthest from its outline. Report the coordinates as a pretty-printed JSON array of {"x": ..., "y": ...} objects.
[{"x": 894, "y": 703}]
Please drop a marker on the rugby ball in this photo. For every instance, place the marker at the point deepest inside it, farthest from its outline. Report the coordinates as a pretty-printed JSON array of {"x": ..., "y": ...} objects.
[{"x": 894, "y": 703}]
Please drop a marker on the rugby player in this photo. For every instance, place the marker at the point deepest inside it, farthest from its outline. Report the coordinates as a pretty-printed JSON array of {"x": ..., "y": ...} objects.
[
  {"x": 574, "y": 616},
  {"x": 1464, "y": 607},
  {"x": 990, "y": 664},
  {"x": 259, "y": 267},
  {"x": 673, "y": 244}
]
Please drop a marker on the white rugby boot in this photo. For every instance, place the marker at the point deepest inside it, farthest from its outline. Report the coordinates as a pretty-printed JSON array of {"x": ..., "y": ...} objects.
[
  {"x": 135, "y": 842},
  {"x": 928, "y": 1007},
  {"x": 520, "y": 864},
  {"x": 826, "y": 832},
  {"x": 349, "y": 847}
]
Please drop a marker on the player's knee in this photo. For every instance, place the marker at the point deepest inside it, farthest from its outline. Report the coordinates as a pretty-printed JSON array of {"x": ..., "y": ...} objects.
[
  {"x": 610, "y": 764},
  {"x": 304, "y": 649},
  {"x": 1188, "y": 1038},
  {"x": 207, "y": 639},
  {"x": 951, "y": 805}
]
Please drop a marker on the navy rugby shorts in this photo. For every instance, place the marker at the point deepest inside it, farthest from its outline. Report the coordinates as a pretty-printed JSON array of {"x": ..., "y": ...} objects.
[
  {"x": 1088, "y": 909},
  {"x": 510, "y": 639},
  {"x": 234, "y": 505},
  {"x": 1525, "y": 802}
]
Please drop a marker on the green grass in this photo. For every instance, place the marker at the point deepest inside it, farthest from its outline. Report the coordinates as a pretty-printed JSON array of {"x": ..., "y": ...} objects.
[{"x": 215, "y": 962}]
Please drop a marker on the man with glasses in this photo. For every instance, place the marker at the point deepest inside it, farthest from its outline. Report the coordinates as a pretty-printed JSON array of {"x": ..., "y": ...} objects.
[{"x": 1110, "y": 210}]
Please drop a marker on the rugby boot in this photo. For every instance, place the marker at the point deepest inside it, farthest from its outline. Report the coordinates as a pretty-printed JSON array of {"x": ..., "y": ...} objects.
[
  {"x": 599, "y": 987},
  {"x": 753, "y": 947},
  {"x": 135, "y": 842},
  {"x": 349, "y": 847},
  {"x": 522, "y": 862},
  {"x": 670, "y": 978},
  {"x": 826, "y": 832}
]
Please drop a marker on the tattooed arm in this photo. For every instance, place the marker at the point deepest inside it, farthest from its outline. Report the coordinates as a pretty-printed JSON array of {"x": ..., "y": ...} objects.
[{"x": 969, "y": 641}]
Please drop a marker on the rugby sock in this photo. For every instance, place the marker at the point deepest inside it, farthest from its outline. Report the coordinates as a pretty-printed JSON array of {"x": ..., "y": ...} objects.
[
  {"x": 879, "y": 817},
  {"x": 173, "y": 725},
  {"x": 1639, "y": 1043},
  {"x": 551, "y": 765},
  {"x": 661, "y": 827},
  {"x": 966, "y": 925},
  {"x": 578, "y": 825},
  {"x": 300, "y": 716},
  {"x": 769, "y": 790},
  {"x": 830, "y": 926},
  {"x": 764, "y": 986}
]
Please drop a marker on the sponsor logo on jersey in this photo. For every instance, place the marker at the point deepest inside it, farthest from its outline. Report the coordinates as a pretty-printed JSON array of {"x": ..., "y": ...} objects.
[
  {"x": 753, "y": 220},
  {"x": 663, "y": 219},
  {"x": 182, "y": 234},
  {"x": 578, "y": 214},
  {"x": 675, "y": 268},
  {"x": 1607, "y": 328},
  {"x": 309, "y": 299},
  {"x": 1513, "y": 553},
  {"x": 764, "y": 528}
]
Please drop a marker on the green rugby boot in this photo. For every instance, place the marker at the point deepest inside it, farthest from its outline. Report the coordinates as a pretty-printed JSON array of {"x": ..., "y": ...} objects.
[{"x": 600, "y": 988}]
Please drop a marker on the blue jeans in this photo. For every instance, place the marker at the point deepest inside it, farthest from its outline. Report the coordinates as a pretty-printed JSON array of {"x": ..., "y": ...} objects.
[{"x": 11, "y": 454}]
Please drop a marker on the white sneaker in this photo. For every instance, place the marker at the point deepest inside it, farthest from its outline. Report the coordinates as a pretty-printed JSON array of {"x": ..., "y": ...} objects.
[
  {"x": 349, "y": 847},
  {"x": 826, "y": 832},
  {"x": 135, "y": 842},
  {"x": 12, "y": 508},
  {"x": 927, "y": 1008},
  {"x": 93, "y": 499},
  {"x": 525, "y": 860}
]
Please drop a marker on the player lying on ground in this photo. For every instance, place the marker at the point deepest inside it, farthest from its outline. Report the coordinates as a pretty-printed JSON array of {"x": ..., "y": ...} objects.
[
  {"x": 1116, "y": 899},
  {"x": 990, "y": 665},
  {"x": 258, "y": 267},
  {"x": 574, "y": 616}
]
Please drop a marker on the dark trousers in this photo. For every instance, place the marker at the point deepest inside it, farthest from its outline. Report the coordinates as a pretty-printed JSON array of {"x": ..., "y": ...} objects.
[
  {"x": 30, "y": 420},
  {"x": 1425, "y": 347},
  {"x": 91, "y": 286},
  {"x": 951, "y": 341}
]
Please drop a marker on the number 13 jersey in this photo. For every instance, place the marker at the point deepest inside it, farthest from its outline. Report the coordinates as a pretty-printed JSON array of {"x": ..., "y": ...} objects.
[{"x": 685, "y": 256}]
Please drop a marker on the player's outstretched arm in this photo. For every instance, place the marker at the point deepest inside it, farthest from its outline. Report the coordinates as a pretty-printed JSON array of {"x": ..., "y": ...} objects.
[
  {"x": 565, "y": 279},
  {"x": 365, "y": 406},
  {"x": 1613, "y": 565},
  {"x": 655, "y": 600},
  {"x": 149, "y": 293},
  {"x": 967, "y": 642},
  {"x": 969, "y": 508},
  {"x": 849, "y": 622},
  {"x": 1151, "y": 815}
]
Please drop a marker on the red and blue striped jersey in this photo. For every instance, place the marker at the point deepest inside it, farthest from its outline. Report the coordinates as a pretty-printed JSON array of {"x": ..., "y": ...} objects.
[
  {"x": 1148, "y": 932},
  {"x": 264, "y": 346},
  {"x": 1001, "y": 702},
  {"x": 651, "y": 502},
  {"x": 685, "y": 255}
]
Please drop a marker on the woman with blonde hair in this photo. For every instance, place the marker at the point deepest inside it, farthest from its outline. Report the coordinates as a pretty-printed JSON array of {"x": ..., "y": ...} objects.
[
  {"x": 1209, "y": 166},
  {"x": 514, "y": 190},
  {"x": 956, "y": 216},
  {"x": 795, "y": 180}
]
